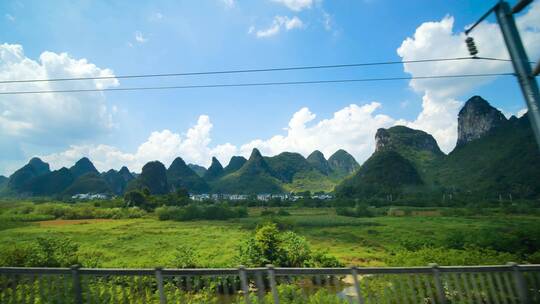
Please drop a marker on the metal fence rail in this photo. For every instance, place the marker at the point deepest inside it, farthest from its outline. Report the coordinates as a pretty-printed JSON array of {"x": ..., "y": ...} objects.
[{"x": 509, "y": 283}]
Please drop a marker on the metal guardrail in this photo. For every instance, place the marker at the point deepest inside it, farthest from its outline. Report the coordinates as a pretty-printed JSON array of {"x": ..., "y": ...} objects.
[{"x": 509, "y": 283}]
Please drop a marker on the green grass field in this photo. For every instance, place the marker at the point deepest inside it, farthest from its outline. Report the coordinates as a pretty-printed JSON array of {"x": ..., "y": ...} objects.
[{"x": 148, "y": 242}]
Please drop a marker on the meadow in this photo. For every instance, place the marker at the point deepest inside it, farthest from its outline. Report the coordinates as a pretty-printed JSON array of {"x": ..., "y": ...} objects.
[{"x": 108, "y": 236}]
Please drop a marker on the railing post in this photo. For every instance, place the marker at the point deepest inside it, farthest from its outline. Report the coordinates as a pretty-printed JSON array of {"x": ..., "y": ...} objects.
[
  {"x": 77, "y": 291},
  {"x": 161, "y": 290},
  {"x": 273, "y": 285},
  {"x": 260, "y": 285},
  {"x": 244, "y": 282},
  {"x": 521, "y": 285},
  {"x": 354, "y": 273},
  {"x": 438, "y": 283}
]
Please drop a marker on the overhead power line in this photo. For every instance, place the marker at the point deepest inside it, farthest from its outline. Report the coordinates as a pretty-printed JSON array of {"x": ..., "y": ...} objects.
[
  {"x": 255, "y": 84},
  {"x": 239, "y": 71}
]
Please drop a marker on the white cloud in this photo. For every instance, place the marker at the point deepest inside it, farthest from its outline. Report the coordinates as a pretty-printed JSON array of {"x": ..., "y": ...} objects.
[
  {"x": 156, "y": 16},
  {"x": 163, "y": 146},
  {"x": 327, "y": 21},
  {"x": 352, "y": 128},
  {"x": 33, "y": 115},
  {"x": 293, "y": 23},
  {"x": 9, "y": 17},
  {"x": 278, "y": 23},
  {"x": 229, "y": 3},
  {"x": 296, "y": 5},
  {"x": 49, "y": 120},
  {"x": 440, "y": 101},
  {"x": 139, "y": 37}
]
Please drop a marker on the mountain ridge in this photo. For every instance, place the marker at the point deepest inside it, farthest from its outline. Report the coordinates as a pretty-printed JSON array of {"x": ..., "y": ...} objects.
[{"x": 495, "y": 156}]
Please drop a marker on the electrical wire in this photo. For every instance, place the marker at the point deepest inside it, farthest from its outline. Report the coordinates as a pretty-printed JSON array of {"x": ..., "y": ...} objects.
[
  {"x": 254, "y": 84},
  {"x": 314, "y": 67}
]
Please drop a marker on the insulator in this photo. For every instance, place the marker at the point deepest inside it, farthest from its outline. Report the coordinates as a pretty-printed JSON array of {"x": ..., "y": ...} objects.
[{"x": 471, "y": 46}]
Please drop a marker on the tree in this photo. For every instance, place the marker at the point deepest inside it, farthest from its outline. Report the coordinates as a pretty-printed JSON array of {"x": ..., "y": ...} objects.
[
  {"x": 286, "y": 249},
  {"x": 136, "y": 199},
  {"x": 182, "y": 193}
]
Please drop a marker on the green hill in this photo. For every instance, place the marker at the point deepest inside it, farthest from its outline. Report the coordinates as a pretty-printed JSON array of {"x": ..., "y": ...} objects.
[
  {"x": 384, "y": 173},
  {"x": 153, "y": 177},
  {"x": 342, "y": 164},
  {"x": 286, "y": 165},
  {"x": 117, "y": 180},
  {"x": 213, "y": 172},
  {"x": 82, "y": 167},
  {"x": 416, "y": 146},
  {"x": 298, "y": 174},
  {"x": 179, "y": 175},
  {"x": 3, "y": 182},
  {"x": 200, "y": 170},
  {"x": 319, "y": 162},
  {"x": 504, "y": 162},
  {"x": 252, "y": 178},
  {"x": 52, "y": 183},
  {"x": 88, "y": 183},
  {"x": 235, "y": 163},
  {"x": 35, "y": 167},
  {"x": 495, "y": 158}
]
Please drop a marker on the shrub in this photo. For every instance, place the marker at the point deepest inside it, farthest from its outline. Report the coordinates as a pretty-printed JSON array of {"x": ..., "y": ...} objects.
[
  {"x": 444, "y": 256},
  {"x": 285, "y": 249},
  {"x": 267, "y": 212},
  {"x": 200, "y": 212},
  {"x": 534, "y": 258},
  {"x": 139, "y": 199},
  {"x": 520, "y": 239},
  {"x": 44, "y": 252},
  {"x": 50, "y": 211},
  {"x": 283, "y": 212},
  {"x": 185, "y": 257},
  {"x": 360, "y": 210}
]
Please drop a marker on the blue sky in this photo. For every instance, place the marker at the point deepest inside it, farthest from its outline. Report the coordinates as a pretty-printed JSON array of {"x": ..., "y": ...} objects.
[{"x": 137, "y": 37}]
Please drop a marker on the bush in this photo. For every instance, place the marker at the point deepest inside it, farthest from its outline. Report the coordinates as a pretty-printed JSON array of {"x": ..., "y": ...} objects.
[
  {"x": 450, "y": 257},
  {"x": 200, "y": 212},
  {"x": 283, "y": 212},
  {"x": 285, "y": 249},
  {"x": 44, "y": 252},
  {"x": 49, "y": 211},
  {"x": 185, "y": 257},
  {"x": 521, "y": 239},
  {"x": 360, "y": 210},
  {"x": 139, "y": 199},
  {"x": 267, "y": 212}
]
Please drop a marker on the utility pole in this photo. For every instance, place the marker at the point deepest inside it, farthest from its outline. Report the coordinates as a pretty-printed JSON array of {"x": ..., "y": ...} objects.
[{"x": 520, "y": 61}]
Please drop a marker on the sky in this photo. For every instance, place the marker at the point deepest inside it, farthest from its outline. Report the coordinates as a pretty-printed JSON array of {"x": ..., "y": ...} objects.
[{"x": 66, "y": 39}]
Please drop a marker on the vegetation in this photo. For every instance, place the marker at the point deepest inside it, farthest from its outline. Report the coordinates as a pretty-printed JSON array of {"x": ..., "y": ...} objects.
[
  {"x": 180, "y": 176},
  {"x": 28, "y": 212},
  {"x": 153, "y": 177},
  {"x": 286, "y": 249},
  {"x": 110, "y": 234},
  {"x": 254, "y": 177},
  {"x": 501, "y": 165},
  {"x": 44, "y": 252},
  {"x": 407, "y": 168},
  {"x": 200, "y": 212},
  {"x": 360, "y": 210},
  {"x": 384, "y": 173}
]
